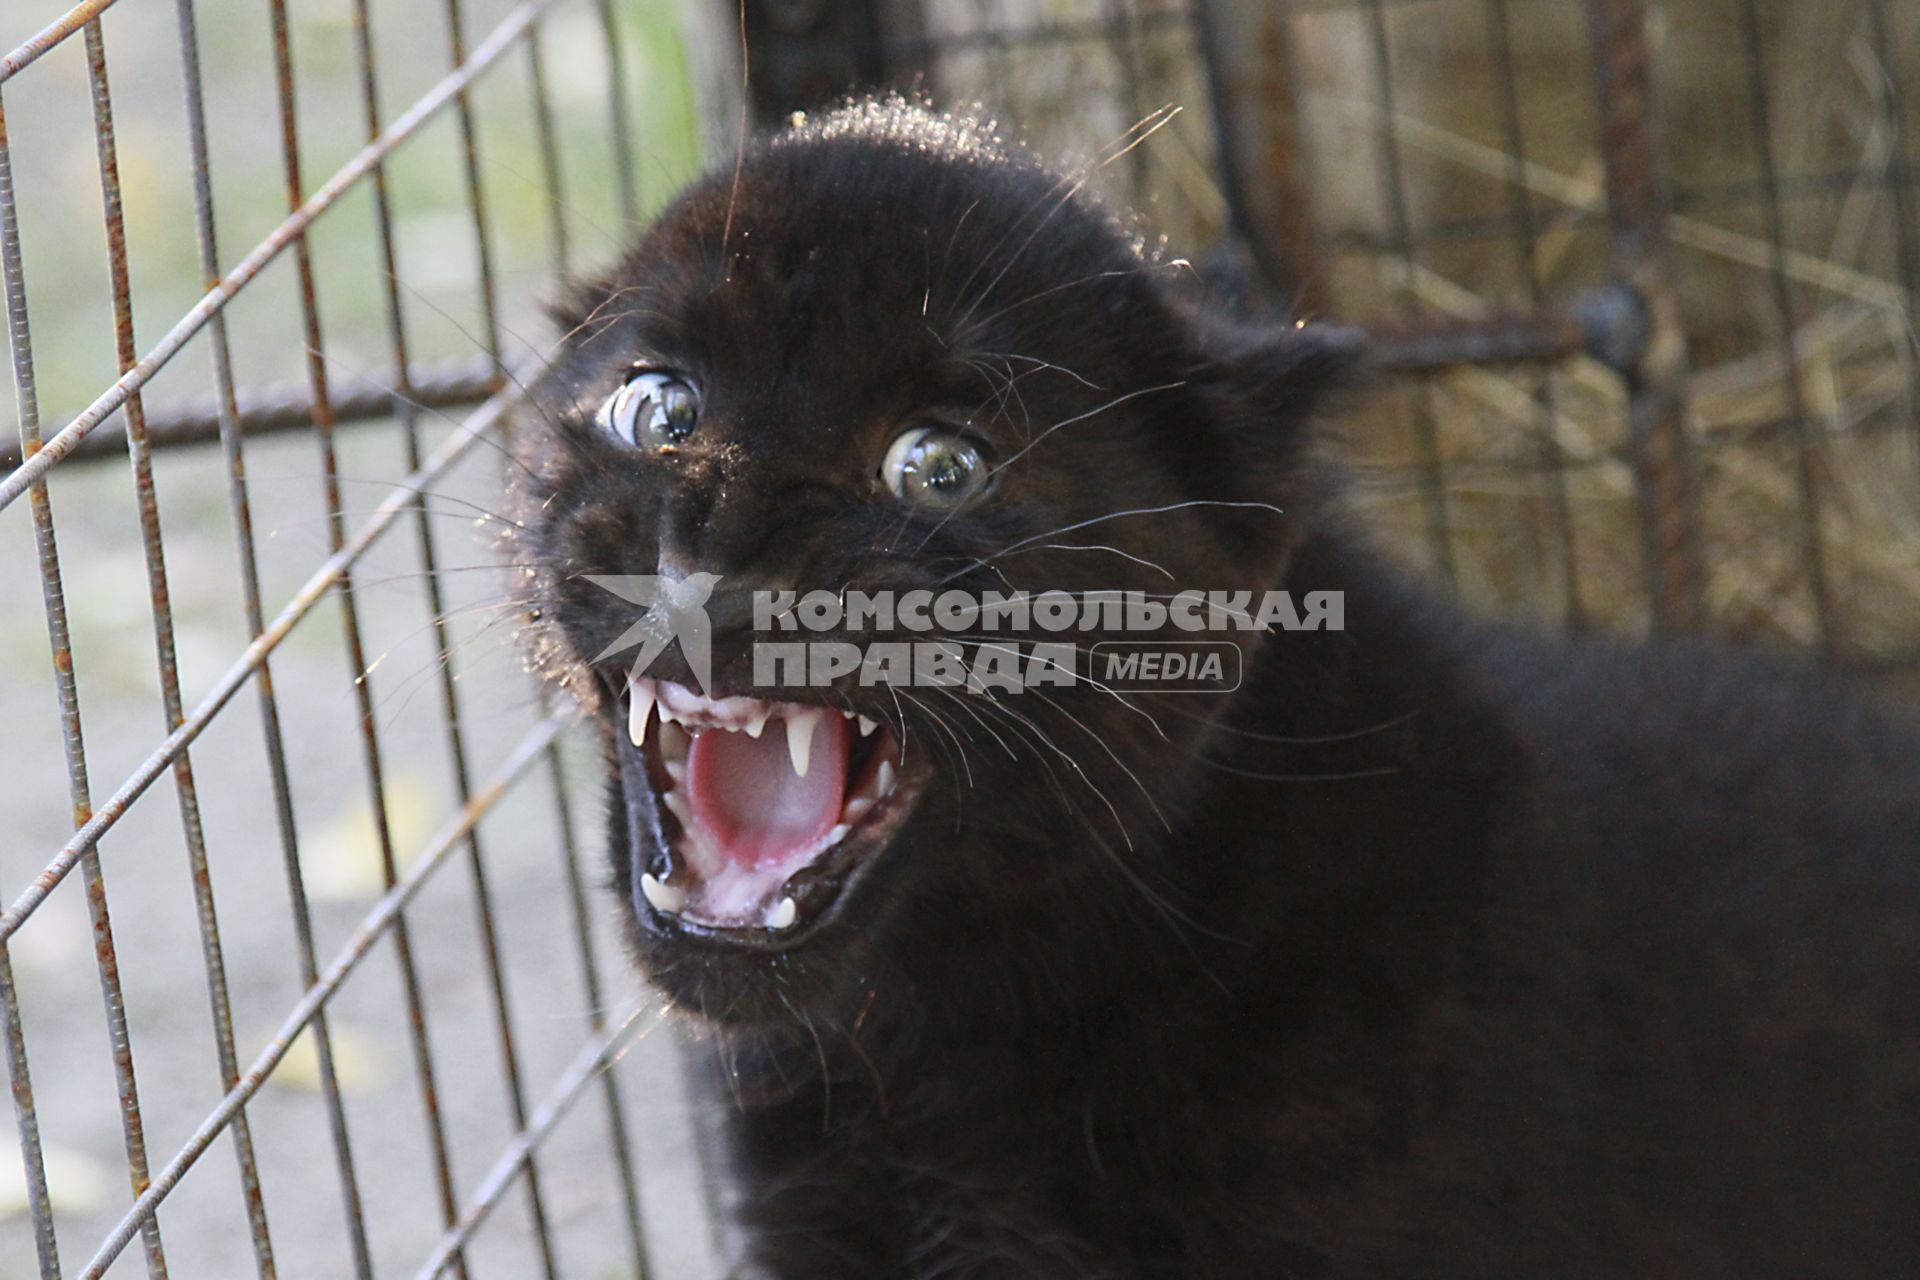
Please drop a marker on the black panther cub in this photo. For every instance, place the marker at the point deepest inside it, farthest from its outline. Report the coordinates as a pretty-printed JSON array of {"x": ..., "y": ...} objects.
[{"x": 1432, "y": 949}]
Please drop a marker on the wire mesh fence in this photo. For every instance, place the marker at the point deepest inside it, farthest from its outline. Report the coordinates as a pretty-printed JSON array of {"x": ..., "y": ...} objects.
[
  {"x": 1648, "y": 268},
  {"x": 1645, "y": 274},
  {"x": 393, "y": 1034}
]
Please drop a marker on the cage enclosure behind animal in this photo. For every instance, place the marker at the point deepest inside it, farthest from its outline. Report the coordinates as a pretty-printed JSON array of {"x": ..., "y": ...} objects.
[{"x": 1639, "y": 279}]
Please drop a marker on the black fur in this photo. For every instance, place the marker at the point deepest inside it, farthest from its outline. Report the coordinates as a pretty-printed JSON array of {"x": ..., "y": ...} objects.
[{"x": 1437, "y": 950}]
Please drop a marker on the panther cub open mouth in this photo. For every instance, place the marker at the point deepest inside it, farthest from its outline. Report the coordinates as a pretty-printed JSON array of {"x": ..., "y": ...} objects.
[{"x": 763, "y": 810}]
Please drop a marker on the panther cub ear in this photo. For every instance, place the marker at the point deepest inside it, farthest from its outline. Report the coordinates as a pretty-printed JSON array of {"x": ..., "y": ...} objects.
[
  {"x": 1277, "y": 375},
  {"x": 576, "y": 300}
]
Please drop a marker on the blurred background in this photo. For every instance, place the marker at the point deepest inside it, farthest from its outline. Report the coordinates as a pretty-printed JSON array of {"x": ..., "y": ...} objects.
[{"x": 1641, "y": 281}]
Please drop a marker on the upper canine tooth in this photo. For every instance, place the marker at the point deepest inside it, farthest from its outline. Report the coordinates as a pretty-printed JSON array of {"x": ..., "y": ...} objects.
[
  {"x": 867, "y": 726},
  {"x": 800, "y": 726},
  {"x": 664, "y": 898},
  {"x": 642, "y": 691}
]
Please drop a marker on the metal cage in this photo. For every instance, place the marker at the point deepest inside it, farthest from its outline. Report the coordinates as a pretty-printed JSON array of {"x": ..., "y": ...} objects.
[
  {"x": 1646, "y": 331},
  {"x": 365, "y": 905}
]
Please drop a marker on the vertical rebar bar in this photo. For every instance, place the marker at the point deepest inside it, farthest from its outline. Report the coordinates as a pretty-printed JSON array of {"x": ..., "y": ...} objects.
[
  {"x": 591, "y": 986},
  {"x": 147, "y": 504},
  {"x": 1527, "y": 247},
  {"x": 1426, "y": 419},
  {"x": 619, "y": 1140},
  {"x": 26, "y": 1122},
  {"x": 1123, "y": 38},
  {"x": 1807, "y": 453},
  {"x": 1900, "y": 174},
  {"x": 626, "y": 183},
  {"x": 53, "y": 593},
  {"x": 1639, "y": 204},
  {"x": 323, "y": 421},
  {"x": 240, "y": 506},
  {"x": 430, "y": 564},
  {"x": 1253, "y": 76},
  {"x": 559, "y": 242}
]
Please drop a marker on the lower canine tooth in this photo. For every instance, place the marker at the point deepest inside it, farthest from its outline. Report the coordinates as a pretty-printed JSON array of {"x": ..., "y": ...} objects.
[
  {"x": 883, "y": 777},
  {"x": 783, "y": 915},
  {"x": 663, "y": 898}
]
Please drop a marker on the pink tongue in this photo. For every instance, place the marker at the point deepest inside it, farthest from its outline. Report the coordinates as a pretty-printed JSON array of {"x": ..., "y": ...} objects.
[{"x": 754, "y": 810}]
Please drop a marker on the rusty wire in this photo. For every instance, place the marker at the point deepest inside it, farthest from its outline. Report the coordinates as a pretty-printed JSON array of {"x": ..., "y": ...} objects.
[
  {"x": 60, "y": 444},
  {"x": 231, "y": 417},
  {"x": 159, "y": 594},
  {"x": 1631, "y": 320}
]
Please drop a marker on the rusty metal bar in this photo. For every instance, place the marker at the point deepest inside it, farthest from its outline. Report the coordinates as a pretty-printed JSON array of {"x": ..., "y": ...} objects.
[
  {"x": 559, "y": 246},
  {"x": 1527, "y": 254},
  {"x": 382, "y": 919},
  {"x": 596, "y": 1019},
  {"x": 1639, "y": 203},
  {"x": 1899, "y": 174},
  {"x": 423, "y": 109},
  {"x": 98, "y": 821},
  {"x": 19, "y": 1074},
  {"x": 625, "y": 182},
  {"x": 1426, "y": 421},
  {"x": 26, "y": 1122},
  {"x": 430, "y": 562},
  {"x": 595, "y": 1058},
  {"x": 147, "y": 504},
  {"x": 276, "y": 409},
  {"x": 1504, "y": 338},
  {"x": 619, "y": 1142},
  {"x": 323, "y": 421},
  {"x": 1807, "y": 461},
  {"x": 79, "y": 791},
  {"x": 228, "y": 424},
  {"x": 52, "y": 35},
  {"x": 1123, "y": 38},
  {"x": 1425, "y": 346},
  {"x": 1253, "y": 79}
]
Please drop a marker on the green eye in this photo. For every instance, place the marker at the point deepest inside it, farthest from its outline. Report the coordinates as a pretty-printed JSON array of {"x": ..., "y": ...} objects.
[
  {"x": 652, "y": 408},
  {"x": 933, "y": 468}
]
